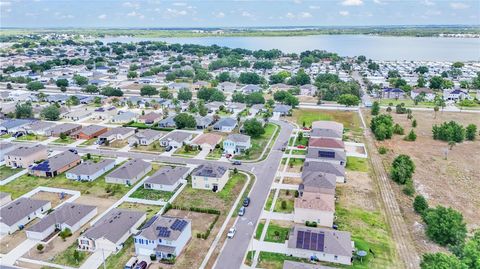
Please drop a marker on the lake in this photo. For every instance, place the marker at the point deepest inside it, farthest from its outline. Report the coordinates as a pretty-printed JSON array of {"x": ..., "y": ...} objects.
[{"x": 374, "y": 47}]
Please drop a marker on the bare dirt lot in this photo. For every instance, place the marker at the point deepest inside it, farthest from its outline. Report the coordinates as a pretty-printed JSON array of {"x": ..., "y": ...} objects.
[
  {"x": 452, "y": 182},
  {"x": 53, "y": 197}
]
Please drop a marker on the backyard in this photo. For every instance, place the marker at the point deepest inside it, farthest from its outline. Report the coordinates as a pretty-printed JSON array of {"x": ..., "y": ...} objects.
[
  {"x": 31, "y": 137},
  {"x": 285, "y": 201},
  {"x": 259, "y": 143},
  {"x": 149, "y": 194},
  {"x": 277, "y": 231},
  {"x": 305, "y": 117},
  {"x": 6, "y": 171}
]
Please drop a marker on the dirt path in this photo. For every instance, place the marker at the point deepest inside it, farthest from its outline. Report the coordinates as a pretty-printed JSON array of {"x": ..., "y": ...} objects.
[{"x": 401, "y": 235}]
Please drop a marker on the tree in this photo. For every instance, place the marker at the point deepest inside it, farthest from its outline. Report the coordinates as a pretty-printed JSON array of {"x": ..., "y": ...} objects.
[
  {"x": 458, "y": 65},
  {"x": 73, "y": 101},
  {"x": 471, "y": 132},
  {"x": 51, "y": 113},
  {"x": 382, "y": 126},
  {"x": 249, "y": 78},
  {"x": 184, "y": 94},
  {"x": 421, "y": 81},
  {"x": 393, "y": 74},
  {"x": 254, "y": 98},
  {"x": 375, "y": 108},
  {"x": 441, "y": 261},
  {"x": 184, "y": 120},
  {"x": 80, "y": 80},
  {"x": 449, "y": 131},
  {"x": 471, "y": 251},
  {"x": 110, "y": 91},
  {"x": 91, "y": 89},
  {"x": 210, "y": 95},
  {"x": 65, "y": 233},
  {"x": 436, "y": 82},
  {"x": 414, "y": 123},
  {"x": 421, "y": 69},
  {"x": 445, "y": 226},
  {"x": 224, "y": 76},
  {"x": 23, "y": 111},
  {"x": 63, "y": 136},
  {"x": 420, "y": 204},
  {"x": 411, "y": 136},
  {"x": 35, "y": 86},
  {"x": 132, "y": 74},
  {"x": 40, "y": 247},
  {"x": 165, "y": 94},
  {"x": 402, "y": 169},
  {"x": 62, "y": 82},
  {"x": 348, "y": 100},
  {"x": 148, "y": 90},
  {"x": 253, "y": 128}
]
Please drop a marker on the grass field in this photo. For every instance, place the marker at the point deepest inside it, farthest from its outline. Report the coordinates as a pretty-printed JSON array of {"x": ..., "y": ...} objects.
[
  {"x": 259, "y": 144},
  {"x": 6, "y": 172},
  {"x": 269, "y": 201},
  {"x": 407, "y": 102},
  {"x": 154, "y": 147},
  {"x": 215, "y": 154},
  {"x": 155, "y": 195},
  {"x": 31, "y": 137},
  {"x": 151, "y": 210},
  {"x": 190, "y": 153},
  {"x": 276, "y": 233},
  {"x": 71, "y": 256},
  {"x": 119, "y": 259},
  {"x": 259, "y": 230},
  {"x": 270, "y": 260},
  {"x": 357, "y": 164},
  {"x": 349, "y": 119},
  {"x": 66, "y": 141},
  {"x": 286, "y": 198}
]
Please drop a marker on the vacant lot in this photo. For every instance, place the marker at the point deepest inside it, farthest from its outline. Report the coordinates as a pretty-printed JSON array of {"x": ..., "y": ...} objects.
[
  {"x": 349, "y": 119},
  {"x": 451, "y": 182}
]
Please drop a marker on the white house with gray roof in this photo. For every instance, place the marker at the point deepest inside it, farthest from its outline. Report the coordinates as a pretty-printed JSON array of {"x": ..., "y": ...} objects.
[
  {"x": 210, "y": 177},
  {"x": 124, "y": 117},
  {"x": 145, "y": 137},
  {"x": 18, "y": 213},
  {"x": 164, "y": 237},
  {"x": 130, "y": 172},
  {"x": 90, "y": 170},
  {"x": 111, "y": 231},
  {"x": 167, "y": 178},
  {"x": 119, "y": 133},
  {"x": 225, "y": 125},
  {"x": 336, "y": 156},
  {"x": 176, "y": 139},
  {"x": 236, "y": 144},
  {"x": 68, "y": 216},
  {"x": 6, "y": 147},
  {"x": 24, "y": 156}
]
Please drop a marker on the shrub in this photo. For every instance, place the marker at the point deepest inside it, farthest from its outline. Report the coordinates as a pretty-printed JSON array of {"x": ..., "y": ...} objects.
[
  {"x": 65, "y": 233},
  {"x": 402, "y": 169},
  {"x": 153, "y": 257},
  {"x": 449, "y": 131},
  {"x": 310, "y": 224},
  {"x": 40, "y": 247},
  {"x": 283, "y": 204},
  {"x": 445, "y": 226},
  {"x": 414, "y": 123},
  {"x": 471, "y": 132},
  {"x": 397, "y": 129},
  {"x": 440, "y": 261},
  {"x": 411, "y": 136},
  {"x": 382, "y": 127},
  {"x": 420, "y": 204},
  {"x": 382, "y": 150},
  {"x": 409, "y": 189}
]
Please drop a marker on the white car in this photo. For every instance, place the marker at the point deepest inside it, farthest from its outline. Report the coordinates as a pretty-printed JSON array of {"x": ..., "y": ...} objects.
[{"x": 231, "y": 232}]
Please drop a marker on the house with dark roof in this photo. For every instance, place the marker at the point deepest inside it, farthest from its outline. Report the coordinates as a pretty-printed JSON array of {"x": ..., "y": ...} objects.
[
  {"x": 130, "y": 172},
  {"x": 24, "y": 156},
  {"x": 18, "y": 213},
  {"x": 336, "y": 156},
  {"x": 64, "y": 128},
  {"x": 89, "y": 132},
  {"x": 111, "y": 231},
  {"x": 325, "y": 167},
  {"x": 317, "y": 182},
  {"x": 68, "y": 216},
  {"x": 90, "y": 170},
  {"x": 168, "y": 122},
  {"x": 210, "y": 177},
  {"x": 14, "y": 125},
  {"x": 225, "y": 125},
  {"x": 150, "y": 118},
  {"x": 282, "y": 110},
  {"x": 55, "y": 165},
  {"x": 455, "y": 94},
  {"x": 162, "y": 236},
  {"x": 203, "y": 122},
  {"x": 167, "y": 178},
  {"x": 320, "y": 243}
]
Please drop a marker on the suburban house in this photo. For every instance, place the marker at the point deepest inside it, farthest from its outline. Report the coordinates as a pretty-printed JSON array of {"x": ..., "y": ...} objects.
[
  {"x": 325, "y": 167},
  {"x": 18, "y": 213},
  {"x": 325, "y": 143},
  {"x": 250, "y": 88},
  {"x": 89, "y": 170},
  {"x": 119, "y": 133},
  {"x": 203, "y": 122},
  {"x": 210, "y": 177},
  {"x": 315, "y": 207},
  {"x": 38, "y": 127},
  {"x": 428, "y": 94},
  {"x": 76, "y": 115},
  {"x": 393, "y": 93},
  {"x": 326, "y": 129},
  {"x": 13, "y": 125},
  {"x": 23, "y": 156},
  {"x": 308, "y": 89},
  {"x": 207, "y": 141},
  {"x": 130, "y": 172},
  {"x": 256, "y": 108},
  {"x": 89, "y": 132},
  {"x": 6, "y": 147},
  {"x": 214, "y": 106},
  {"x": 225, "y": 125},
  {"x": 55, "y": 165},
  {"x": 317, "y": 182},
  {"x": 68, "y": 216},
  {"x": 145, "y": 137},
  {"x": 164, "y": 237},
  {"x": 124, "y": 117},
  {"x": 200, "y": 84},
  {"x": 236, "y": 108},
  {"x": 5, "y": 198},
  {"x": 150, "y": 118},
  {"x": 336, "y": 156},
  {"x": 167, "y": 178},
  {"x": 321, "y": 243},
  {"x": 282, "y": 110},
  {"x": 227, "y": 86},
  {"x": 280, "y": 87},
  {"x": 455, "y": 95},
  {"x": 236, "y": 144},
  {"x": 64, "y": 128},
  {"x": 110, "y": 232},
  {"x": 175, "y": 139},
  {"x": 168, "y": 122}
]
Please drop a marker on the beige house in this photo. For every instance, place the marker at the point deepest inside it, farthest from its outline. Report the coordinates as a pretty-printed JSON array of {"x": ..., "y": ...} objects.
[
  {"x": 210, "y": 177},
  {"x": 24, "y": 156},
  {"x": 315, "y": 207}
]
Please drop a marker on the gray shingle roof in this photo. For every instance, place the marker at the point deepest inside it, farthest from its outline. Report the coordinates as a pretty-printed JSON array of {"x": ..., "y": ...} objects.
[
  {"x": 335, "y": 242},
  {"x": 339, "y": 154},
  {"x": 56, "y": 162},
  {"x": 114, "y": 225},
  {"x": 25, "y": 151},
  {"x": 238, "y": 138},
  {"x": 16, "y": 210},
  {"x": 325, "y": 167},
  {"x": 89, "y": 167},
  {"x": 63, "y": 128},
  {"x": 130, "y": 169},
  {"x": 225, "y": 122},
  {"x": 69, "y": 214},
  {"x": 177, "y": 136},
  {"x": 149, "y": 134},
  {"x": 210, "y": 170},
  {"x": 151, "y": 232},
  {"x": 313, "y": 181},
  {"x": 115, "y": 131},
  {"x": 168, "y": 175},
  {"x": 90, "y": 129}
]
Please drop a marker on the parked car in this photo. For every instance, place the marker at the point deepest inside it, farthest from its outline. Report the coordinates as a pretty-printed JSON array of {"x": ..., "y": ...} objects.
[
  {"x": 231, "y": 232},
  {"x": 241, "y": 212},
  {"x": 301, "y": 146},
  {"x": 141, "y": 265},
  {"x": 73, "y": 151},
  {"x": 131, "y": 263},
  {"x": 18, "y": 134},
  {"x": 237, "y": 162},
  {"x": 167, "y": 149},
  {"x": 246, "y": 201}
]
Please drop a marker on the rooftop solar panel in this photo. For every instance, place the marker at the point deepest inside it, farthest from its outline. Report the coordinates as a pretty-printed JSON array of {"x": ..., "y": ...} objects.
[{"x": 326, "y": 154}]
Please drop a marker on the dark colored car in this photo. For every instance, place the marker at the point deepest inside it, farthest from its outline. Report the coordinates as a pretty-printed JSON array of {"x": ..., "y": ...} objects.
[
  {"x": 246, "y": 201},
  {"x": 18, "y": 134},
  {"x": 73, "y": 151},
  {"x": 167, "y": 149},
  {"x": 237, "y": 162},
  {"x": 141, "y": 265}
]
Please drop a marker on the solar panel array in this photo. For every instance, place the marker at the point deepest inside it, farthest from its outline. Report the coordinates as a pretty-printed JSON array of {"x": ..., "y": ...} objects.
[
  {"x": 326, "y": 154},
  {"x": 310, "y": 240},
  {"x": 163, "y": 231},
  {"x": 179, "y": 225},
  {"x": 43, "y": 166},
  {"x": 149, "y": 222}
]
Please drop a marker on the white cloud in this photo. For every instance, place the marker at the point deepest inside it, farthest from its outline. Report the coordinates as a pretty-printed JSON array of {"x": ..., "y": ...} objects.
[
  {"x": 352, "y": 3},
  {"x": 219, "y": 14},
  {"x": 179, "y": 4},
  {"x": 135, "y": 14},
  {"x": 102, "y": 16},
  {"x": 5, "y": 3},
  {"x": 297, "y": 1},
  {"x": 246, "y": 14},
  {"x": 171, "y": 12},
  {"x": 290, "y": 15},
  {"x": 305, "y": 15},
  {"x": 301, "y": 15},
  {"x": 314, "y": 7},
  {"x": 456, "y": 5},
  {"x": 379, "y": 2},
  {"x": 427, "y": 3},
  {"x": 344, "y": 13},
  {"x": 131, "y": 5}
]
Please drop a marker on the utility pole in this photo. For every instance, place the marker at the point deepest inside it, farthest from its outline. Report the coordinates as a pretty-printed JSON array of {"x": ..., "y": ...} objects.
[{"x": 103, "y": 255}]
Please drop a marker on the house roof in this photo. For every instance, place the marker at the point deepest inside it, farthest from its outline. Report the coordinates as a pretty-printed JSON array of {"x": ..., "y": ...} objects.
[
  {"x": 282, "y": 108},
  {"x": 331, "y": 125},
  {"x": 90, "y": 130},
  {"x": 420, "y": 90},
  {"x": 318, "y": 181},
  {"x": 325, "y": 167},
  {"x": 14, "y": 123},
  {"x": 16, "y": 210},
  {"x": 56, "y": 162},
  {"x": 209, "y": 138},
  {"x": 330, "y": 241},
  {"x": 69, "y": 214},
  {"x": 238, "y": 138},
  {"x": 201, "y": 121},
  {"x": 39, "y": 125},
  {"x": 177, "y": 136},
  {"x": 90, "y": 168},
  {"x": 225, "y": 122},
  {"x": 114, "y": 225},
  {"x": 150, "y": 116},
  {"x": 168, "y": 175},
  {"x": 149, "y": 134},
  {"x": 393, "y": 90},
  {"x": 63, "y": 128},
  {"x": 330, "y": 154},
  {"x": 130, "y": 169},
  {"x": 163, "y": 227},
  {"x": 23, "y": 151},
  {"x": 210, "y": 170},
  {"x": 316, "y": 201},
  {"x": 325, "y": 143},
  {"x": 117, "y": 131}
]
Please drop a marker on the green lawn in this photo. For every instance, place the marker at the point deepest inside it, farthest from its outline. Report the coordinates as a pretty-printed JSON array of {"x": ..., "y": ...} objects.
[
  {"x": 31, "y": 137},
  {"x": 269, "y": 202},
  {"x": 68, "y": 258},
  {"x": 294, "y": 162},
  {"x": 150, "y": 210},
  {"x": 289, "y": 197},
  {"x": 119, "y": 259},
  {"x": 349, "y": 119},
  {"x": 357, "y": 164},
  {"x": 407, "y": 102},
  {"x": 183, "y": 152},
  {"x": 138, "y": 125},
  {"x": 276, "y": 234},
  {"x": 272, "y": 260},
  {"x": 258, "y": 232},
  {"x": 154, "y": 147},
  {"x": 89, "y": 142},
  {"x": 215, "y": 154},
  {"x": 259, "y": 143},
  {"x": 155, "y": 195},
  {"x": 5, "y": 136},
  {"x": 6, "y": 171},
  {"x": 299, "y": 152},
  {"x": 250, "y": 255},
  {"x": 67, "y": 140},
  {"x": 301, "y": 141}
]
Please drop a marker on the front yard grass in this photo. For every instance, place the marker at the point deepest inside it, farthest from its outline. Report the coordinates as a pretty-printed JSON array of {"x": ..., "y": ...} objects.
[
  {"x": 259, "y": 143},
  {"x": 6, "y": 171},
  {"x": 258, "y": 232},
  {"x": 271, "y": 260},
  {"x": 357, "y": 164},
  {"x": 187, "y": 151},
  {"x": 66, "y": 141},
  {"x": 215, "y": 154},
  {"x": 5, "y": 136},
  {"x": 151, "y": 210},
  {"x": 142, "y": 193},
  {"x": 299, "y": 152},
  {"x": 68, "y": 258},
  {"x": 269, "y": 202},
  {"x": 119, "y": 259},
  {"x": 276, "y": 233},
  {"x": 89, "y": 142},
  {"x": 285, "y": 201},
  {"x": 154, "y": 147},
  {"x": 31, "y": 137}
]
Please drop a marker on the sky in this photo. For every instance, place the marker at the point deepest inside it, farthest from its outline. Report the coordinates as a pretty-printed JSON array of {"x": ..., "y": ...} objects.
[{"x": 231, "y": 13}]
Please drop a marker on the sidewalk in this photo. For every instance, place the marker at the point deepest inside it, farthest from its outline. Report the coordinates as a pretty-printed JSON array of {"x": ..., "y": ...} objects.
[
  {"x": 96, "y": 259},
  {"x": 11, "y": 257}
]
